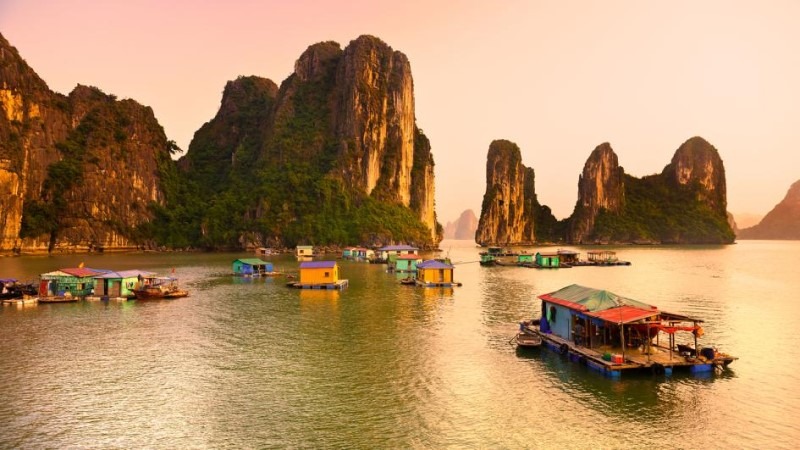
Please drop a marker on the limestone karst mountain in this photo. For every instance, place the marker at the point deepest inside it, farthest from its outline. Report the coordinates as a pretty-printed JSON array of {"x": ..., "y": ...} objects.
[
  {"x": 77, "y": 172},
  {"x": 462, "y": 228},
  {"x": 686, "y": 203},
  {"x": 332, "y": 156}
]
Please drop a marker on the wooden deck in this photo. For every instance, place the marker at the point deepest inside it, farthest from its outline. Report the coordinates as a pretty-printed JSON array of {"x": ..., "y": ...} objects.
[
  {"x": 341, "y": 284},
  {"x": 659, "y": 360}
]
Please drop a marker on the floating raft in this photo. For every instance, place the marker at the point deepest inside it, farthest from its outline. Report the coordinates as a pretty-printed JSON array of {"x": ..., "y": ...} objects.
[
  {"x": 21, "y": 301},
  {"x": 341, "y": 284},
  {"x": 661, "y": 360},
  {"x": 431, "y": 284}
]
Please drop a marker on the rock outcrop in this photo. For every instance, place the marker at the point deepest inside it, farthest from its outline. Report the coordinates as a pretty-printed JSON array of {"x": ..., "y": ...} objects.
[
  {"x": 783, "y": 222},
  {"x": 462, "y": 228},
  {"x": 338, "y": 137},
  {"x": 76, "y": 172},
  {"x": 507, "y": 212},
  {"x": 696, "y": 162},
  {"x": 600, "y": 187},
  {"x": 684, "y": 204}
]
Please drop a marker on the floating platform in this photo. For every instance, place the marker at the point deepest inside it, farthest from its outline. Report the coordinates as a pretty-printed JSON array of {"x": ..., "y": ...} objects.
[
  {"x": 21, "y": 301},
  {"x": 431, "y": 284},
  {"x": 660, "y": 360},
  {"x": 341, "y": 284},
  {"x": 58, "y": 299},
  {"x": 106, "y": 298}
]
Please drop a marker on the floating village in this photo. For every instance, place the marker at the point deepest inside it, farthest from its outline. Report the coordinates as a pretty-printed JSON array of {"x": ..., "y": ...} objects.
[{"x": 607, "y": 332}]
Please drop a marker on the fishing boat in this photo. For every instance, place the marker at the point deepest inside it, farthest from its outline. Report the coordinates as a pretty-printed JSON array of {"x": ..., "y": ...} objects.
[
  {"x": 156, "y": 288},
  {"x": 527, "y": 336},
  {"x": 11, "y": 289},
  {"x": 613, "y": 334}
]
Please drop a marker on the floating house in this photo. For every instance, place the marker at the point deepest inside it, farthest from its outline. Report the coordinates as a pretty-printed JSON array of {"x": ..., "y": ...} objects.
[
  {"x": 611, "y": 333},
  {"x": 71, "y": 282},
  {"x": 568, "y": 256},
  {"x": 525, "y": 259},
  {"x": 406, "y": 263},
  {"x": 319, "y": 275},
  {"x": 304, "y": 252},
  {"x": 548, "y": 260},
  {"x": 433, "y": 273},
  {"x": 118, "y": 284},
  {"x": 252, "y": 267},
  {"x": 362, "y": 254},
  {"x": 265, "y": 251},
  {"x": 602, "y": 256},
  {"x": 357, "y": 253},
  {"x": 387, "y": 253}
]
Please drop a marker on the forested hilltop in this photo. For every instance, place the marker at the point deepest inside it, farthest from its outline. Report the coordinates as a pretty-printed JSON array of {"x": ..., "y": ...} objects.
[{"x": 332, "y": 156}]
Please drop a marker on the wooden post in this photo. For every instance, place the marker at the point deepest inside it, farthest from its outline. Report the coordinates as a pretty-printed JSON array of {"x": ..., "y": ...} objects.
[
  {"x": 647, "y": 348},
  {"x": 622, "y": 333},
  {"x": 694, "y": 333}
]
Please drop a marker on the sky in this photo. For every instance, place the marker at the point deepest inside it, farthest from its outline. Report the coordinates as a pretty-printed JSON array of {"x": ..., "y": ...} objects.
[{"x": 557, "y": 78}]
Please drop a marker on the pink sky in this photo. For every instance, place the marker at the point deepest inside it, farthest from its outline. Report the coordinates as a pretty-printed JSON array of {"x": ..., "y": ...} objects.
[{"x": 557, "y": 78}]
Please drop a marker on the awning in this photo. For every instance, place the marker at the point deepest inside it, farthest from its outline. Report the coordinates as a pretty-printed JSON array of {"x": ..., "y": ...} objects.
[{"x": 623, "y": 314}]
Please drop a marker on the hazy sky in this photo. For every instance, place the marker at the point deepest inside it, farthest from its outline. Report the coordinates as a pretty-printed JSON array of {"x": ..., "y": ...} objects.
[{"x": 558, "y": 78}]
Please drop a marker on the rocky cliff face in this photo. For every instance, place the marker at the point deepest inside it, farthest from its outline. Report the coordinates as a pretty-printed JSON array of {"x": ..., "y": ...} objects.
[
  {"x": 685, "y": 204},
  {"x": 381, "y": 151},
  {"x": 696, "y": 162},
  {"x": 76, "y": 172},
  {"x": 221, "y": 146},
  {"x": 783, "y": 222},
  {"x": 600, "y": 187},
  {"x": 462, "y": 228},
  {"x": 507, "y": 211},
  {"x": 339, "y": 132}
]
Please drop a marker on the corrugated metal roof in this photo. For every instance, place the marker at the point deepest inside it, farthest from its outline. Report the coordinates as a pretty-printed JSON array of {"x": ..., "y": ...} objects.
[
  {"x": 393, "y": 248},
  {"x": 82, "y": 272},
  {"x": 433, "y": 264},
  {"x": 124, "y": 274},
  {"x": 317, "y": 264},
  {"x": 253, "y": 261},
  {"x": 584, "y": 298},
  {"x": 623, "y": 314}
]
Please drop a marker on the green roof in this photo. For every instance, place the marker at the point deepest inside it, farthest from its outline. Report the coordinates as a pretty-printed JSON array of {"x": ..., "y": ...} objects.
[
  {"x": 592, "y": 299},
  {"x": 252, "y": 261}
]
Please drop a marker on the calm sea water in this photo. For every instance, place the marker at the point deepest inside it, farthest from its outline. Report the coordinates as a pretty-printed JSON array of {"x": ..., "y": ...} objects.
[{"x": 250, "y": 363}]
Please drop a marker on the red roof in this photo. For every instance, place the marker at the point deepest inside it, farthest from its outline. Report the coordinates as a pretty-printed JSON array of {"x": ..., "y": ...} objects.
[
  {"x": 82, "y": 272},
  {"x": 623, "y": 314}
]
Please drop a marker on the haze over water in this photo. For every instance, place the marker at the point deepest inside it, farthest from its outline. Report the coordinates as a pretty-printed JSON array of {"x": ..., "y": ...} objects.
[{"x": 250, "y": 363}]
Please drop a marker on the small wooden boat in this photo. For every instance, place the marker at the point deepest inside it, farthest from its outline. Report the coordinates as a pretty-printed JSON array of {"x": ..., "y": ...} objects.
[
  {"x": 528, "y": 339},
  {"x": 158, "y": 288},
  {"x": 408, "y": 281},
  {"x": 527, "y": 335}
]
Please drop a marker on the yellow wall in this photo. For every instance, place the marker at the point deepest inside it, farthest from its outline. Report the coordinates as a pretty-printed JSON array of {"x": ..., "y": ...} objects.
[
  {"x": 317, "y": 276},
  {"x": 435, "y": 275}
]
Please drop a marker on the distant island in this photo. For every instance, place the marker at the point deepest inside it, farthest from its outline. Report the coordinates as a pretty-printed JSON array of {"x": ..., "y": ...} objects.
[
  {"x": 462, "y": 228},
  {"x": 783, "y": 222},
  {"x": 684, "y": 204}
]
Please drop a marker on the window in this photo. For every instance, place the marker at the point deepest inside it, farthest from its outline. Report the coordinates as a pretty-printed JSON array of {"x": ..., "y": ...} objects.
[{"x": 327, "y": 274}]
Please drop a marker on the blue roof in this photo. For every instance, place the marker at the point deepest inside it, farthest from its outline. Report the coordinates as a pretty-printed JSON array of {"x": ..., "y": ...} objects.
[
  {"x": 8, "y": 280},
  {"x": 390, "y": 248},
  {"x": 317, "y": 264},
  {"x": 433, "y": 264}
]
